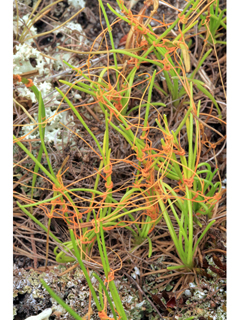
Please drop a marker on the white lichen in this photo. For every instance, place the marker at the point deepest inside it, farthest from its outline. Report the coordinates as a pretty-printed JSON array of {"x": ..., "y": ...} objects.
[
  {"x": 52, "y": 129},
  {"x": 70, "y": 29},
  {"x": 192, "y": 285},
  {"x": 21, "y": 60},
  {"x": 42, "y": 316},
  {"x": 18, "y": 27},
  {"x": 78, "y": 4},
  {"x": 44, "y": 87},
  {"x": 198, "y": 295},
  {"x": 58, "y": 64},
  {"x": 136, "y": 273}
]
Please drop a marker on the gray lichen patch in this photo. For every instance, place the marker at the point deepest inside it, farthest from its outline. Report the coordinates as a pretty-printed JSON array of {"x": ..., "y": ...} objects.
[{"x": 30, "y": 298}]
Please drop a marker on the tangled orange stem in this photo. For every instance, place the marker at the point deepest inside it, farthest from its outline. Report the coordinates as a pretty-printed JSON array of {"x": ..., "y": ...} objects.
[
  {"x": 182, "y": 18},
  {"x": 60, "y": 189},
  {"x": 95, "y": 227},
  {"x": 110, "y": 186},
  {"x": 84, "y": 240},
  {"x": 110, "y": 277},
  {"x": 17, "y": 77},
  {"x": 186, "y": 183},
  {"x": 103, "y": 316},
  {"x": 29, "y": 84},
  {"x": 180, "y": 152},
  {"x": 108, "y": 171}
]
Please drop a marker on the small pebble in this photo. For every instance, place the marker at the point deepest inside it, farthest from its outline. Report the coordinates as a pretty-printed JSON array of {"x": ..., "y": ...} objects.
[{"x": 188, "y": 293}]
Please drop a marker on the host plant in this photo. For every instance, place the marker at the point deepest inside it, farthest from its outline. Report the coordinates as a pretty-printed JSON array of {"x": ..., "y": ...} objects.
[{"x": 182, "y": 199}]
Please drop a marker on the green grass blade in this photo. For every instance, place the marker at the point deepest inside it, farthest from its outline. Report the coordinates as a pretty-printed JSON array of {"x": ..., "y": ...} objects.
[
  {"x": 107, "y": 295},
  {"x": 208, "y": 94},
  {"x": 84, "y": 270},
  {"x": 38, "y": 222},
  {"x": 35, "y": 160},
  {"x": 60, "y": 301},
  {"x": 81, "y": 120}
]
